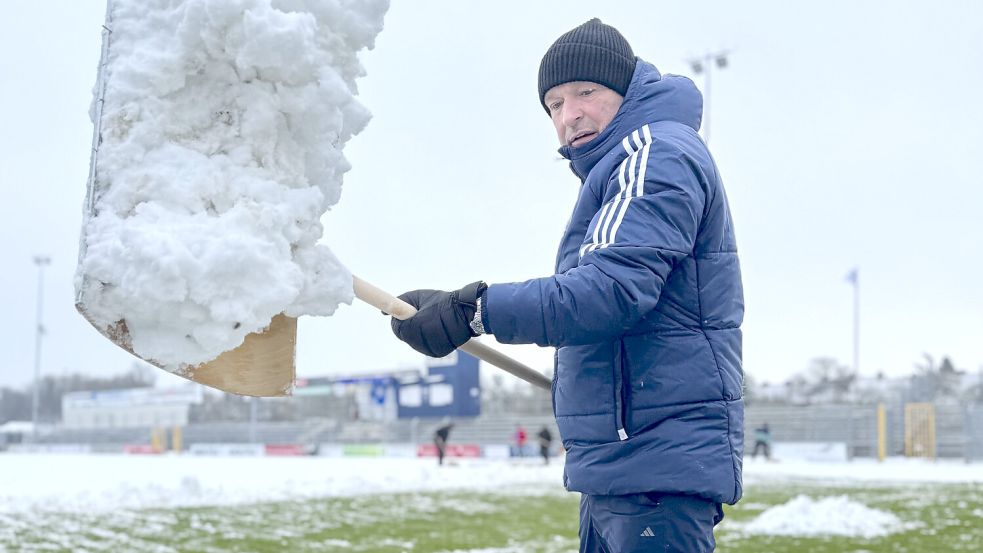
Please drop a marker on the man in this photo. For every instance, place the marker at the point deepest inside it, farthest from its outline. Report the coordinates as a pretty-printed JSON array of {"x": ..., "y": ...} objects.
[
  {"x": 440, "y": 437},
  {"x": 644, "y": 308},
  {"x": 762, "y": 441},
  {"x": 545, "y": 441}
]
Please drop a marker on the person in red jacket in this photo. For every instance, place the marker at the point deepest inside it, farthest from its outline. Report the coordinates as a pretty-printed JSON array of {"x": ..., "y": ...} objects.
[{"x": 520, "y": 440}]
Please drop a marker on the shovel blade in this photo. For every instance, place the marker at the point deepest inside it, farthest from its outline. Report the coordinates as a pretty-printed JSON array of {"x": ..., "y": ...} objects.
[{"x": 263, "y": 366}]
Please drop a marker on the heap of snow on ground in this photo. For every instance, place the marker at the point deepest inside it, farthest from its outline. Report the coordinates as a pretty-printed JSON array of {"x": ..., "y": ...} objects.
[
  {"x": 829, "y": 516},
  {"x": 222, "y": 130}
]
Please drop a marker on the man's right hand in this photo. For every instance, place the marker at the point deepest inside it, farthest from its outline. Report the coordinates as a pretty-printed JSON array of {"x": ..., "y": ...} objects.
[{"x": 443, "y": 319}]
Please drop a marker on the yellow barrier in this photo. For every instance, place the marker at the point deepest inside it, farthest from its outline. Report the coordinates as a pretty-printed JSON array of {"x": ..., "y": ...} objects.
[
  {"x": 157, "y": 438},
  {"x": 177, "y": 439},
  {"x": 919, "y": 430}
]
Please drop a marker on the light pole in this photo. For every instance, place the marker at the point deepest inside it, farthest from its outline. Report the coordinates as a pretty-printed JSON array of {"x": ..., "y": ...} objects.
[
  {"x": 704, "y": 65},
  {"x": 253, "y": 407},
  {"x": 40, "y": 261},
  {"x": 853, "y": 277}
]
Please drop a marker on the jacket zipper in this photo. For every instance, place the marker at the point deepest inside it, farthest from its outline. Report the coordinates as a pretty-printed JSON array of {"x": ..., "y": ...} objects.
[{"x": 619, "y": 390}]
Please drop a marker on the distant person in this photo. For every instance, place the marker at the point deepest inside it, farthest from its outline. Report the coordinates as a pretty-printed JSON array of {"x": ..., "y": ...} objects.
[
  {"x": 520, "y": 440},
  {"x": 440, "y": 440},
  {"x": 762, "y": 441},
  {"x": 545, "y": 441}
]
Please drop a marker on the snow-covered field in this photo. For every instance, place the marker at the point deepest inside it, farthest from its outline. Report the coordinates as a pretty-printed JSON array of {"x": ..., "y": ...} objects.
[
  {"x": 855, "y": 500},
  {"x": 101, "y": 483},
  {"x": 893, "y": 470}
]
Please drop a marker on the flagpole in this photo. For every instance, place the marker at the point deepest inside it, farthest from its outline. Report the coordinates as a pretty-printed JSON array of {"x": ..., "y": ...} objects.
[{"x": 856, "y": 321}]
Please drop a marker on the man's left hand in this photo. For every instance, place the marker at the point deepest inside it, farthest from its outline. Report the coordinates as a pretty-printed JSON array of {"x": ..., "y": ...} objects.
[{"x": 443, "y": 319}]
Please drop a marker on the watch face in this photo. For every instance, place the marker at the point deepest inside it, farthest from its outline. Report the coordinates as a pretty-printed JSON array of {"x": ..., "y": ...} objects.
[{"x": 476, "y": 325}]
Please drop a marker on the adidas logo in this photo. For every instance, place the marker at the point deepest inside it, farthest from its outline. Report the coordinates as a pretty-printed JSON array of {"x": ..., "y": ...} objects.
[{"x": 647, "y": 533}]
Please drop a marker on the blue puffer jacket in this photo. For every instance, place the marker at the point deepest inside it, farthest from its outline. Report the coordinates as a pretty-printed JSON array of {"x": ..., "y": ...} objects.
[{"x": 645, "y": 307}]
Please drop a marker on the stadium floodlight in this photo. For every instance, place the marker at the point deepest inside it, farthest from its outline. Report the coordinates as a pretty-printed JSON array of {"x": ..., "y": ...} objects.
[
  {"x": 40, "y": 261},
  {"x": 703, "y": 65}
]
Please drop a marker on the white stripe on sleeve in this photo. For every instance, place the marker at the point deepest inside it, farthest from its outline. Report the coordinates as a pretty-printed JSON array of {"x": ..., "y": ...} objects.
[{"x": 631, "y": 178}]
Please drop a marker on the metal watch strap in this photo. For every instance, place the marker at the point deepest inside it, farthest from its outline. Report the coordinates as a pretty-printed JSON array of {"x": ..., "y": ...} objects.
[{"x": 476, "y": 325}]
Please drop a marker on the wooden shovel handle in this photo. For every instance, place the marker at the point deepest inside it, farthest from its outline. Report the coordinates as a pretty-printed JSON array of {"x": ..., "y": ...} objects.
[
  {"x": 401, "y": 310},
  {"x": 382, "y": 300}
]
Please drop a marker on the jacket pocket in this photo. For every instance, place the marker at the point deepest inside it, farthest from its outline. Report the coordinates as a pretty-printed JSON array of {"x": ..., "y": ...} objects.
[{"x": 586, "y": 396}]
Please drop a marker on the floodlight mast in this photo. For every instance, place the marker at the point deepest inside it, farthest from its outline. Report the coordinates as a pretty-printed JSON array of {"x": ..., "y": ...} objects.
[
  {"x": 41, "y": 261},
  {"x": 704, "y": 65}
]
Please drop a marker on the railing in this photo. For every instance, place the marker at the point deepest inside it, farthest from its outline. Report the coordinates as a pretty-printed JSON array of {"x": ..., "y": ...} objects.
[{"x": 953, "y": 431}]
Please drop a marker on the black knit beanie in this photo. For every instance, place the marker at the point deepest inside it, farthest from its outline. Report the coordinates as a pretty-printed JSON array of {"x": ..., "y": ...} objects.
[{"x": 592, "y": 52}]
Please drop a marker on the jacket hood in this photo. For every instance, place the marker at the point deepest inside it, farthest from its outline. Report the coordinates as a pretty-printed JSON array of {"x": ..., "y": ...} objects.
[{"x": 650, "y": 98}]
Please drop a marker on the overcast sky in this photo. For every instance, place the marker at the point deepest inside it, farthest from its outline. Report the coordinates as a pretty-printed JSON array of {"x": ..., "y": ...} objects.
[{"x": 848, "y": 134}]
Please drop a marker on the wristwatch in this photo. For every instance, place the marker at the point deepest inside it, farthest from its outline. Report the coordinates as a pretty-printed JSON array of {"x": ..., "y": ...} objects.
[{"x": 476, "y": 325}]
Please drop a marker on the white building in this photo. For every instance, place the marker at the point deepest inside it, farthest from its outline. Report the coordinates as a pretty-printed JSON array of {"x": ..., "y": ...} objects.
[{"x": 135, "y": 407}]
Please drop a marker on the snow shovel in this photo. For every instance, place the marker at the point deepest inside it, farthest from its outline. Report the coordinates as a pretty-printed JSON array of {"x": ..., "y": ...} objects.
[{"x": 263, "y": 363}]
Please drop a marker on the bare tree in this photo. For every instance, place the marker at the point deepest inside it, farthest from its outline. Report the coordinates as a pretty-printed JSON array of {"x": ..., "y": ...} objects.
[
  {"x": 16, "y": 404},
  {"x": 828, "y": 377},
  {"x": 935, "y": 381}
]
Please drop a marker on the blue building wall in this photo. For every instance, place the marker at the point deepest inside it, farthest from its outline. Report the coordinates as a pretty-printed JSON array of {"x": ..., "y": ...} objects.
[{"x": 451, "y": 389}]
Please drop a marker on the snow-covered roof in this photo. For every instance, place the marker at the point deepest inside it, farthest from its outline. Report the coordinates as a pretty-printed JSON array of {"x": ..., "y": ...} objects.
[{"x": 17, "y": 427}]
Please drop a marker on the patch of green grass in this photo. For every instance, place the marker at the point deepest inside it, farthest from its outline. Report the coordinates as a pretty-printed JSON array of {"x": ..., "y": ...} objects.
[
  {"x": 542, "y": 520},
  {"x": 509, "y": 520}
]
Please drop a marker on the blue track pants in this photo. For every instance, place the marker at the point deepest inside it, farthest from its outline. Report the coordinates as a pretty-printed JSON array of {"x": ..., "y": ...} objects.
[{"x": 647, "y": 522}]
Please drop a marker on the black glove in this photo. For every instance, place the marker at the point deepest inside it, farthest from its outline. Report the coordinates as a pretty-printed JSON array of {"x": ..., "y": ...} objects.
[{"x": 443, "y": 319}]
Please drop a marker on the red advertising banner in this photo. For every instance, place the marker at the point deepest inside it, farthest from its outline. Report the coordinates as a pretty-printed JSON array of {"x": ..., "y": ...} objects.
[
  {"x": 453, "y": 450},
  {"x": 284, "y": 449}
]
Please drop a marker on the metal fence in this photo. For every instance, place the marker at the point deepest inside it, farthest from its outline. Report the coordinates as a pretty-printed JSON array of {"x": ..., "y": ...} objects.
[
  {"x": 854, "y": 425},
  {"x": 484, "y": 430},
  {"x": 973, "y": 446},
  {"x": 957, "y": 430}
]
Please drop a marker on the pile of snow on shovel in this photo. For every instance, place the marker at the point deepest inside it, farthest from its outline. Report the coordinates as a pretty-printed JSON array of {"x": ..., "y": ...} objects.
[{"x": 220, "y": 147}]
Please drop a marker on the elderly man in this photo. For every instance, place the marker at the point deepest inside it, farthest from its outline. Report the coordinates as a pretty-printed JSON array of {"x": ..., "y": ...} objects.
[{"x": 644, "y": 308}]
